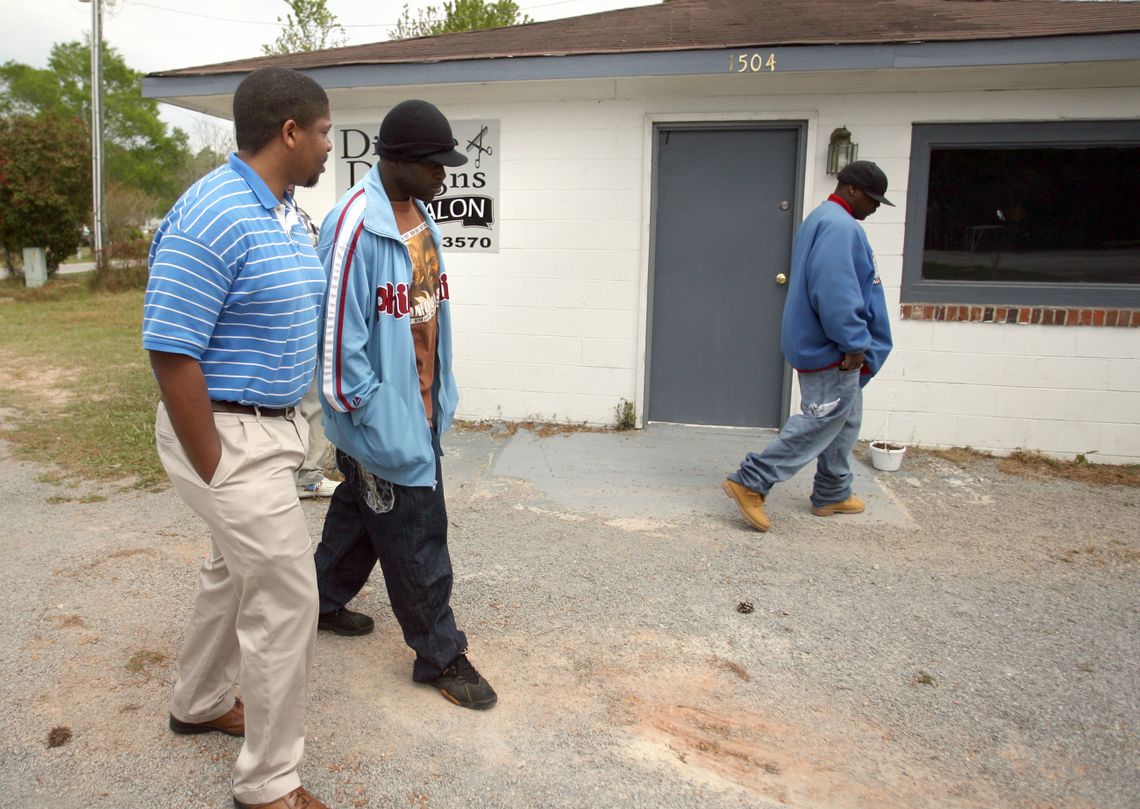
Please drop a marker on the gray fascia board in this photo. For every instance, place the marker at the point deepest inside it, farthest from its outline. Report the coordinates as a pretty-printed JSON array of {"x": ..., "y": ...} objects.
[{"x": 789, "y": 59}]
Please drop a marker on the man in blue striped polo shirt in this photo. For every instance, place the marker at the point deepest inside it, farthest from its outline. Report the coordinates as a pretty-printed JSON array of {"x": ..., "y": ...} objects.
[{"x": 230, "y": 320}]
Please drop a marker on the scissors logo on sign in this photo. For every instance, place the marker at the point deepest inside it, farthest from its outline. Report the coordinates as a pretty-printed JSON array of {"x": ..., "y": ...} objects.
[{"x": 476, "y": 143}]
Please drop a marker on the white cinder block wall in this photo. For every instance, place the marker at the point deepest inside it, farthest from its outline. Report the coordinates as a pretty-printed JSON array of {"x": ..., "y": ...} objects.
[
  {"x": 547, "y": 329},
  {"x": 552, "y": 326}
]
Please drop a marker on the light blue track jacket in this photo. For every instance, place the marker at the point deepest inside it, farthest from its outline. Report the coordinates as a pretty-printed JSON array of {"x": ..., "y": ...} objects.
[
  {"x": 835, "y": 302},
  {"x": 370, "y": 388}
]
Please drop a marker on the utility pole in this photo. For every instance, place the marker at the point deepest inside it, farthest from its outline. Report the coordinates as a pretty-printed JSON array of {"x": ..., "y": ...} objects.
[{"x": 97, "y": 129}]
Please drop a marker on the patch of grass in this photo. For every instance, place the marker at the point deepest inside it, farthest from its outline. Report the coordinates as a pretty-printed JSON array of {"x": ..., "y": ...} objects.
[
  {"x": 624, "y": 416},
  {"x": 1035, "y": 464},
  {"x": 963, "y": 456},
  {"x": 1030, "y": 464},
  {"x": 73, "y": 369},
  {"x": 922, "y": 678},
  {"x": 59, "y": 736},
  {"x": 475, "y": 426},
  {"x": 543, "y": 429},
  {"x": 126, "y": 552},
  {"x": 733, "y": 667},
  {"x": 83, "y": 254},
  {"x": 143, "y": 658},
  {"x": 55, "y": 289}
]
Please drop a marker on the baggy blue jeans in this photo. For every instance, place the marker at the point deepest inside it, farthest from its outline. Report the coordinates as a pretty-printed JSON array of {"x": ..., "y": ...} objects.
[
  {"x": 826, "y": 428},
  {"x": 410, "y": 542}
]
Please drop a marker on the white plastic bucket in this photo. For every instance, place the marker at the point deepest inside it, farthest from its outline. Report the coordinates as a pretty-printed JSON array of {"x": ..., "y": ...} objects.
[{"x": 887, "y": 457}]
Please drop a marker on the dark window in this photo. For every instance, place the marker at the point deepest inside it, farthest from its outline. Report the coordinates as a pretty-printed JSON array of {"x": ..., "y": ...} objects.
[{"x": 1024, "y": 214}]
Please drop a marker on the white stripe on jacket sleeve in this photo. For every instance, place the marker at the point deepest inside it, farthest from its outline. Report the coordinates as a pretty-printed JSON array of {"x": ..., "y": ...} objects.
[{"x": 348, "y": 229}]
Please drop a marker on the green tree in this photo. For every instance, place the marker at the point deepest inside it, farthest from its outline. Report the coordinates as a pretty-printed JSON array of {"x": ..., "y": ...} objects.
[
  {"x": 139, "y": 148},
  {"x": 45, "y": 184},
  {"x": 460, "y": 15},
  {"x": 310, "y": 27}
]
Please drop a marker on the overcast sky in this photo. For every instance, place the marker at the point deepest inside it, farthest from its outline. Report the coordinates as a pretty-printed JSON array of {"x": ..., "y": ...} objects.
[{"x": 165, "y": 34}]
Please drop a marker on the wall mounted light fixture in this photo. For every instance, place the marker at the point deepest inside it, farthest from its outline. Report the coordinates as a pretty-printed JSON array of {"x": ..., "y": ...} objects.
[{"x": 841, "y": 150}]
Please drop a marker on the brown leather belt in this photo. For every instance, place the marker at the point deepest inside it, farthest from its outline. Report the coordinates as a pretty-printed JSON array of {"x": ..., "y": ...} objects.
[{"x": 252, "y": 410}]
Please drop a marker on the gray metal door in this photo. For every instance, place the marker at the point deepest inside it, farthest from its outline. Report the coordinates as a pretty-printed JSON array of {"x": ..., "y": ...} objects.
[{"x": 725, "y": 203}]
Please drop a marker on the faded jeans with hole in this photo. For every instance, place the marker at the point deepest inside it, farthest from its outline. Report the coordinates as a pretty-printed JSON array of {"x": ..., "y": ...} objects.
[{"x": 825, "y": 430}]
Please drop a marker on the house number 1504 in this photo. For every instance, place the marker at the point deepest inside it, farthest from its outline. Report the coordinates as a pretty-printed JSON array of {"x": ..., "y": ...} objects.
[{"x": 751, "y": 63}]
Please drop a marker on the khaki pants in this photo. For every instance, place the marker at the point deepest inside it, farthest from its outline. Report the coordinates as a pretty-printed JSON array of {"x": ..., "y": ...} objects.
[
  {"x": 313, "y": 468},
  {"x": 255, "y": 615}
]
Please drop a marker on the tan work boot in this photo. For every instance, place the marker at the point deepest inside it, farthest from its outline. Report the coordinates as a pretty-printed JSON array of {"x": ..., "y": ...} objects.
[
  {"x": 852, "y": 505},
  {"x": 299, "y": 798},
  {"x": 750, "y": 503}
]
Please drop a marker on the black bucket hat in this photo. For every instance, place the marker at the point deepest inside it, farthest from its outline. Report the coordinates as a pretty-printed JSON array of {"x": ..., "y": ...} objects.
[
  {"x": 416, "y": 131},
  {"x": 867, "y": 177}
]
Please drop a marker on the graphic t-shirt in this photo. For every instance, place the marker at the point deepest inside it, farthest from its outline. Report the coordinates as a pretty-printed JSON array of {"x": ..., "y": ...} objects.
[{"x": 423, "y": 299}]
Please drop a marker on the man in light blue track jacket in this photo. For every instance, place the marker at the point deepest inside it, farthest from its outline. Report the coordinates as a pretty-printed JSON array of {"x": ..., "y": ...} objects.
[
  {"x": 389, "y": 396},
  {"x": 836, "y": 334}
]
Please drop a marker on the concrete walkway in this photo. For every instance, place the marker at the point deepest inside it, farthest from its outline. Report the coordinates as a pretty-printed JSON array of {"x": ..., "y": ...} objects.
[{"x": 665, "y": 473}]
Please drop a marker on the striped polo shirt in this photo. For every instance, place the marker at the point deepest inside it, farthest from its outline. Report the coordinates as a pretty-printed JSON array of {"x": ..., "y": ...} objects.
[{"x": 235, "y": 283}]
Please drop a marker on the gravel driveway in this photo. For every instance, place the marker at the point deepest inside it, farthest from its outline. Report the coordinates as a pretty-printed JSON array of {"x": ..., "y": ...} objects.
[{"x": 972, "y": 641}]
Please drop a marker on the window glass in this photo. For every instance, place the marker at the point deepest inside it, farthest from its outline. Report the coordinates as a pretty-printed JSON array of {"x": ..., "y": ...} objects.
[
  {"x": 1041, "y": 215},
  {"x": 1029, "y": 213}
]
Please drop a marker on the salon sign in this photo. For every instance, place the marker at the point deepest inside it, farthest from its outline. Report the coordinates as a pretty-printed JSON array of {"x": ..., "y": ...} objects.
[{"x": 467, "y": 212}]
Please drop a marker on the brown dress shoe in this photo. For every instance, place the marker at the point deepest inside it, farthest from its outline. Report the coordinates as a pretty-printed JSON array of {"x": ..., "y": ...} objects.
[
  {"x": 232, "y": 723},
  {"x": 299, "y": 798}
]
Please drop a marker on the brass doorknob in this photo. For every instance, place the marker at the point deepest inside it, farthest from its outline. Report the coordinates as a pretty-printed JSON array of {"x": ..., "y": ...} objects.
[{"x": 781, "y": 279}]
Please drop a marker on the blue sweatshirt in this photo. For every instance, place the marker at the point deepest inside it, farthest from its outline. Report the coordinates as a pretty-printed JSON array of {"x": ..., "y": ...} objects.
[
  {"x": 835, "y": 302},
  {"x": 370, "y": 387}
]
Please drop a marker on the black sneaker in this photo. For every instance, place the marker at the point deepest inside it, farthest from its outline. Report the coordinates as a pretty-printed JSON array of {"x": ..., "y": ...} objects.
[
  {"x": 461, "y": 684},
  {"x": 345, "y": 622}
]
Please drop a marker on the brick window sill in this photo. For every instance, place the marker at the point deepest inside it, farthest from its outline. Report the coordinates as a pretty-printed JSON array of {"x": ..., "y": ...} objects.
[{"x": 1040, "y": 315}]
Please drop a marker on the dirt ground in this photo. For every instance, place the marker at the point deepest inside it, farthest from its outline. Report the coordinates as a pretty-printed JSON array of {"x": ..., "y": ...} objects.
[{"x": 978, "y": 652}]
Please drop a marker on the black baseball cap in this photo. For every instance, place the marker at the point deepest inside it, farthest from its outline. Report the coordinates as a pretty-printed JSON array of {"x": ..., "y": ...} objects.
[
  {"x": 416, "y": 131},
  {"x": 867, "y": 177}
]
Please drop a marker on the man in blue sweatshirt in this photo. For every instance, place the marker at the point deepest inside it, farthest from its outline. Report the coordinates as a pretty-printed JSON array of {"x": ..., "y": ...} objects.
[{"x": 836, "y": 334}]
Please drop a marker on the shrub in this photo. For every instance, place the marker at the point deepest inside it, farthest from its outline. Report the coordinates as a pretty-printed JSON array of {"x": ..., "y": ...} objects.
[{"x": 125, "y": 267}]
